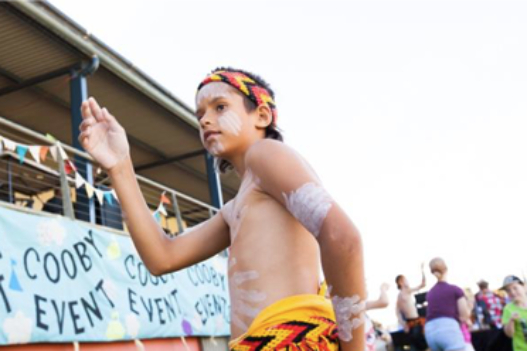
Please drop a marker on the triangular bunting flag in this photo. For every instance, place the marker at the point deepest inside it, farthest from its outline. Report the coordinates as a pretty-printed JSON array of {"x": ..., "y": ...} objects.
[
  {"x": 69, "y": 167},
  {"x": 89, "y": 190},
  {"x": 115, "y": 195},
  {"x": 162, "y": 209},
  {"x": 21, "y": 150},
  {"x": 44, "y": 153},
  {"x": 72, "y": 165},
  {"x": 157, "y": 216},
  {"x": 100, "y": 196},
  {"x": 51, "y": 138},
  {"x": 53, "y": 152},
  {"x": 62, "y": 152},
  {"x": 35, "y": 152},
  {"x": 109, "y": 197},
  {"x": 165, "y": 199},
  {"x": 9, "y": 144},
  {"x": 79, "y": 180}
]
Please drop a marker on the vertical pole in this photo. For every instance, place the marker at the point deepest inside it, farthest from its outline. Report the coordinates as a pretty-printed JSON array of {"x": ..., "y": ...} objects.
[
  {"x": 178, "y": 214},
  {"x": 79, "y": 93},
  {"x": 10, "y": 181},
  {"x": 216, "y": 197},
  {"x": 67, "y": 206}
]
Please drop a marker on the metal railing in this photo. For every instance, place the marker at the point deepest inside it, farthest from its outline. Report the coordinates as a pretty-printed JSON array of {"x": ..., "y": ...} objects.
[{"x": 51, "y": 184}]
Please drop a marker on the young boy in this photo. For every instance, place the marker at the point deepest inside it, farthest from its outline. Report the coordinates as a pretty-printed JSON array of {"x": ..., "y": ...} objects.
[
  {"x": 281, "y": 224},
  {"x": 514, "y": 317},
  {"x": 406, "y": 310}
]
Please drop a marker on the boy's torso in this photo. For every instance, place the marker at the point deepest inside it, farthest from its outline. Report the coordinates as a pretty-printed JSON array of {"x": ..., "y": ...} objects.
[
  {"x": 406, "y": 306},
  {"x": 272, "y": 256}
]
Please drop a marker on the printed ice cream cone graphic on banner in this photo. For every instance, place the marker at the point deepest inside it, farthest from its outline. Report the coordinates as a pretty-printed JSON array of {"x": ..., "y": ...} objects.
[
  {"x": 14, "y": 283},
  {"x": 115, "y": 328},
  {"x": 113, "y": 250}
]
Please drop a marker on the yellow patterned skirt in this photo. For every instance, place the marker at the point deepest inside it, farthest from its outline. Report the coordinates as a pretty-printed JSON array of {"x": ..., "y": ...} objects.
[{"x": 296, "y": 323}]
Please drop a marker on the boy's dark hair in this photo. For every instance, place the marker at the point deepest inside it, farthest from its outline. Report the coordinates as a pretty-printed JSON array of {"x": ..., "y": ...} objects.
[
  {"x": 398, "y": 281},
  {"x": 271, "y": 132}
]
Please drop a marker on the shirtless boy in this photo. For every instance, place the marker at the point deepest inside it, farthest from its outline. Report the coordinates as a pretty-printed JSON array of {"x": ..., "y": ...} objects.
[
  {"x": 281, "y": 224},
  {"x": 407, "y": 311}
]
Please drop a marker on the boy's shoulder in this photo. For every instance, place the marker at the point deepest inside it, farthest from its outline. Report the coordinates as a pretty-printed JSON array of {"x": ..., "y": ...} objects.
[
  {"x": 265, "y": 148},
  {"x": 269, "y": 153}
]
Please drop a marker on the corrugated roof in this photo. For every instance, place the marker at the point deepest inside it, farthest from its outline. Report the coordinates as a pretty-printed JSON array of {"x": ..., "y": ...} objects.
[{"x": 35, "y": 38}]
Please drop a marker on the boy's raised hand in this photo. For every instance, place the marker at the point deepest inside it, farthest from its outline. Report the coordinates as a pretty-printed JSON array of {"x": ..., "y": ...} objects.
[{"x": 102, "y": 136}]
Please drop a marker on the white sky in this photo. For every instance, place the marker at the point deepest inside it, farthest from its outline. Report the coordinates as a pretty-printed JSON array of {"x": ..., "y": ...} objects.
[{"x": 414, "y": 113}]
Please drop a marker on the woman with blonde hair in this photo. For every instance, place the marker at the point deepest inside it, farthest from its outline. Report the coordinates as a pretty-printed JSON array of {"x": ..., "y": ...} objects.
[{"x": 447, "y": 308}]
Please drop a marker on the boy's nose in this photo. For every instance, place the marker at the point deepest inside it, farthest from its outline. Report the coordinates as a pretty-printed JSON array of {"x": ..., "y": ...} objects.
[{"x": 205, "y": 120}]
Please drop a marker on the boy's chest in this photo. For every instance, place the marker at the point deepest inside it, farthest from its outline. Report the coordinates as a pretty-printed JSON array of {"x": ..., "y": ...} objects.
[{"x": 246, "y": 212}]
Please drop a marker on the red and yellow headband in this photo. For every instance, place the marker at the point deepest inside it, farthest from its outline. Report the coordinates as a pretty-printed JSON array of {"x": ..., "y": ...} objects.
[{"x": 246, "y": 85}]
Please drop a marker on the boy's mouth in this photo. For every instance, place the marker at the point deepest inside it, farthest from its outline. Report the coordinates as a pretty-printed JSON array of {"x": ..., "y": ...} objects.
[{"x": 209, "y": 134}]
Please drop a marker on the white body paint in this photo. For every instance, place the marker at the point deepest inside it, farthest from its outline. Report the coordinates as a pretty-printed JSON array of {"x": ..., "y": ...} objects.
[
  {"x": 349, "y": 312},
  {"x": 310, "y": 205},
  {"x": 244, "y": 302},
  {"x": 230, "y": 122},
  {"x": 216, "y": 148},
  {"x": 212, "y": 91},
  {"x": 235, "y": 211}
]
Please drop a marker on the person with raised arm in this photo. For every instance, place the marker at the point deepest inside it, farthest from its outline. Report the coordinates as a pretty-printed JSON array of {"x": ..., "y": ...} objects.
[{"x": 279, "y": 227}]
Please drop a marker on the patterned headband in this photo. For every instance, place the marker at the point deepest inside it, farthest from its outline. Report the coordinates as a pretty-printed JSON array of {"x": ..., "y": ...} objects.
[{"x": 246, "y": 85}]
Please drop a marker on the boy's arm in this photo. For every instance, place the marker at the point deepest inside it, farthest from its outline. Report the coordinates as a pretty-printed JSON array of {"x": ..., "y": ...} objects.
[
  {"x": 284, "y": 175},
  {"x": 383, "y": 300},
  {"x": 160, "y": 253},
  {"x": 105, "y": 140},
  {"x": 423, "y": 280}
]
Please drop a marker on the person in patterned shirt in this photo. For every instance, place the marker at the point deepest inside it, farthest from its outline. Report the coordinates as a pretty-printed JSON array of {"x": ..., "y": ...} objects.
[{"x": 490, "y": 306}]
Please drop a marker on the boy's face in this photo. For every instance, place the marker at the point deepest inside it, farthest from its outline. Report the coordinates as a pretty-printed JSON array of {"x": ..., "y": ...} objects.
[
  {"x": 516, "y": 291},
  {"x": 224, "y": 121}
]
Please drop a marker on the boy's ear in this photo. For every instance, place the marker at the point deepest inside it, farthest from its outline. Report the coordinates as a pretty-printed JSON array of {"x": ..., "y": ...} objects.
[{"x": 265, "y": 116}]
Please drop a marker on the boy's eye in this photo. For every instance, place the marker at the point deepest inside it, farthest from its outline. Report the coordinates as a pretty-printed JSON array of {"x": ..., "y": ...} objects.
[{"x": 220, "y": 107}]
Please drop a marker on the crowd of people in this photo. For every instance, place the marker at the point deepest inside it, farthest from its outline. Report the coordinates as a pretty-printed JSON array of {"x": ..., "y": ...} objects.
[{"x": 451, "y": 315}]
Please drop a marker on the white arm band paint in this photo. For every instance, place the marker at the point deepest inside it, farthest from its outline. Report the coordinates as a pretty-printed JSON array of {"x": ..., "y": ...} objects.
[
  {"x": 310, "y": 205},
  {"x": 349, "y": 312}
]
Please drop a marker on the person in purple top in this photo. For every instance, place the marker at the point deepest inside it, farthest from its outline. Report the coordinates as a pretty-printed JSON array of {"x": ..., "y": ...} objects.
[{"x": 447, "y": 307}]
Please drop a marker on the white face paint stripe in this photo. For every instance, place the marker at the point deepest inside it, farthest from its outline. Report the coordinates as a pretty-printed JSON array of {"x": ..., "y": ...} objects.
[
  {"x": 310, "y": 205},
  {"x": 216, "y": 148},
  {"x": 212, "y": 91},
  {"x": 230, "y": 122},
  {"x": 349, "y": 312}
]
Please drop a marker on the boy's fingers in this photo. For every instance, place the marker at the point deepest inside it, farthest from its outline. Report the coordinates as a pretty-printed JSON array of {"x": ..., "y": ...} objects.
[
  {"x": 88, "y": 122},
  {"x": 109, "y": 117},
  {"x": 83, "y": 139},
  {"x": 85, "y": 109},
  {"x": 95, "y": 109}
]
